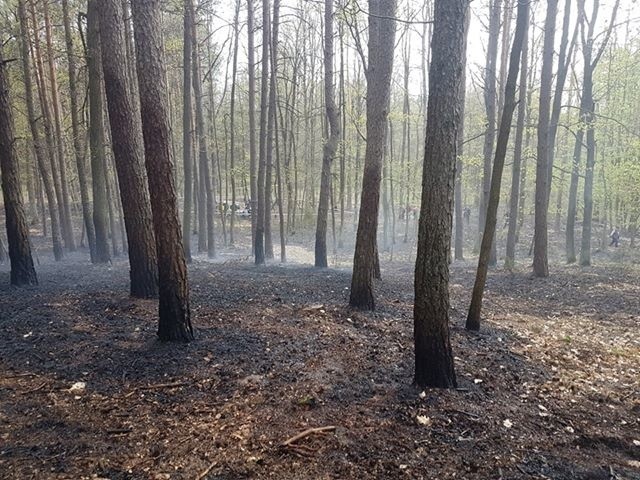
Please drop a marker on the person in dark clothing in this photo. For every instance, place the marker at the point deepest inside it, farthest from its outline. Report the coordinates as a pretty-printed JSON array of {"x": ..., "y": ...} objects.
[
  {"x": 615, "y": 238},
  {"x": 467, "y": 214}
]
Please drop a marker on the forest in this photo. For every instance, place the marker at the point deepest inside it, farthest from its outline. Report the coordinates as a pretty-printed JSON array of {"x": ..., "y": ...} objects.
[{"x": 320, "y": 239}]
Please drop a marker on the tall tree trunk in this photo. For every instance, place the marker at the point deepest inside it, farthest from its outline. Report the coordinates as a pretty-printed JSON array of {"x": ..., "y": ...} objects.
[
  {"x": 590, "y": 63},
  {"x": 111, "y": 210},
  {"x": 331, "y": 143},
  {"x": 459, "y": 232},
  {"x": 473, "y": 318},
  {"x": 343, "y": 147},
  {"x": 96, "y": 136},
  {"x": 262, "y": 208},
  {"x": 78, "y": 146},
  {"x": 124, "y": 118},
  {"x": 490, "y": 80},
  {"x": 279, "y": 192},
  {"x": 433, "y": 356},
  {"x": 271, "y": 120},
  {"x": 253, "y": 167},
  {"x": 232, "y": 116},
  {"x": 174, "y": 311},
  {"x": 22, "y": 269},
  {"x": 59, "y": 144},
  {"x": 564, "y": 59},
  {"x": 514, "y": 196},
  {"x": 540, "y": 255},
  {"x": 50, "y": 149},
  {"x": 207, "y": 195},
  {"x": 382, "y": 29},
  {"x": 187, "y": 122},
  {"x": 35, "y": 134}
]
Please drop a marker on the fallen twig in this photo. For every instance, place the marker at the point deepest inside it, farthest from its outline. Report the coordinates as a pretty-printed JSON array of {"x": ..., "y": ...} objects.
[
  {"x": 20, "y": 375},
  {"x": 39, "y": 387},
  {"x": 118, "y": 431},
  {"x": 306, "y": 433},
  {"x": 469, "y": 414},
  {"x": 157, "y": 386},
  {"x": 206, "y": 471}
]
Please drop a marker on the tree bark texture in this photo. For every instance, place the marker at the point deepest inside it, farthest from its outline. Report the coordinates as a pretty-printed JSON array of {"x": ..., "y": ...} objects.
[
  {"x": 174, "y": 313},
  {"x": 126, "y": 131},
  {"x": 473, "y": 318},
  {"x": 540, "y": 254},
  {"x": 331, "y": 143},
  {"x": 96, "y": 136},
  {"x": 382, "y": 29},
  {"x": 22, "y": 269},
  {"x": 433, "y": 356}
]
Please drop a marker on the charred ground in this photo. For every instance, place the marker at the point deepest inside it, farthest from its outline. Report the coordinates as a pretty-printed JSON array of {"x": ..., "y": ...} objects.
[{"x": 548, "y": 389}]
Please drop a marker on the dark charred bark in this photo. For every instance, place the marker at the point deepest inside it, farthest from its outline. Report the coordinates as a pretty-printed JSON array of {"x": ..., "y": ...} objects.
[
  {"x": 382, "y": 29},
  {"x": 22, "y": 269},
  {"x": 174, "y": 312},
  {"x": 124, "y": 118},
  {"x": 433, "y": 356}
]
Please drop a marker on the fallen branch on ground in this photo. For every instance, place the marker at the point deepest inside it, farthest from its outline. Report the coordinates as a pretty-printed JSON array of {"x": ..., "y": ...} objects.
[
  {"x": 289, "y": 443},
  {"x": 156, "y": 387},
  {"x": 206, "y": 471}
]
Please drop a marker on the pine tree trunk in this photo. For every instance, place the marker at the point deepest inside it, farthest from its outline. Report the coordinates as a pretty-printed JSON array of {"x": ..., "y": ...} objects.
[
  {"x": 35, "y": 135},
  {"x": 22, "y": 269},
  {"x": 187, "y": 121},
  {"x": 58, "y": 141},
  {"x": 78, "y": 146},
  {"x": 50, "y": 149},
  {"x": 174, "y": 312},
  {"x": 433, "y": 356},
  {"x": 331, "y": 143},
  {"x": 232, "y": 113},
  {"x": 253, "y": 167},
  {"x": 206, "y": 198},
  {"x": 124, "y": 118},
  {"x": 458, "y": 247},
  {"x": 382, "y": 31},
  {"x": 96, "y": 136}
]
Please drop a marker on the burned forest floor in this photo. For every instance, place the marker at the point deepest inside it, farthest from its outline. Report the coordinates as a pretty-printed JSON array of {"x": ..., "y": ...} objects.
[{"x": 550, "y": 387}]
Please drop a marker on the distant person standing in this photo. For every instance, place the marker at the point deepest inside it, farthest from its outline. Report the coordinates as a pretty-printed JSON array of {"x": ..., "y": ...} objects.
[
  {"x": 615, "y": 238},
  {"x": 467, "y": 214}
]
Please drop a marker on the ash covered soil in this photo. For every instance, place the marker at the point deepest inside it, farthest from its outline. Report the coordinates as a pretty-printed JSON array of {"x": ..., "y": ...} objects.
[{"x": 550, "y": 388}]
